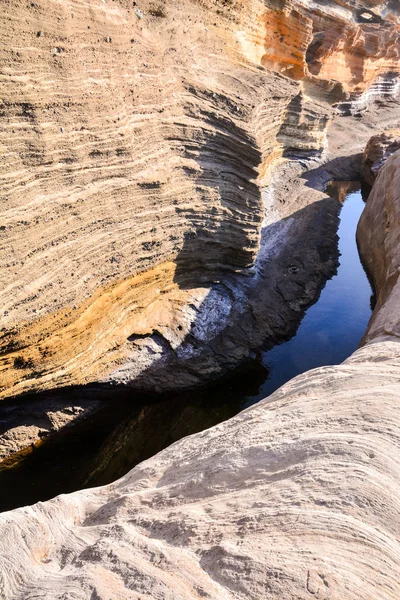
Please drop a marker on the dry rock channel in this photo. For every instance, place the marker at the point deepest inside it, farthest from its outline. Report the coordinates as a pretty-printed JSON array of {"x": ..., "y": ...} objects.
[{"x": 163, "y": 216}]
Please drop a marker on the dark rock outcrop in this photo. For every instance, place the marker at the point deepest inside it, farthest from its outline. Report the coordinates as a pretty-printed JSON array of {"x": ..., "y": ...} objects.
[{"x": 376, "y": 153}]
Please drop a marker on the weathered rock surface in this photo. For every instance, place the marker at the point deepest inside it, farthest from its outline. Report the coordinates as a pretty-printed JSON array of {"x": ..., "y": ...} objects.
[
  {"x": 304, "y": 239},
  {"x": 293, "y": 498},
  {"x": 376, "y": 153},
  {"x": 134, "y": 145},
  {"x": 378, "y": 235},
  {"x": 132, "y": 175}
]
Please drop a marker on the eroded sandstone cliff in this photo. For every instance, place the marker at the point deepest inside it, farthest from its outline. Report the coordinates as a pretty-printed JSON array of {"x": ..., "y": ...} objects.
[{"x": 135, "y": 140}]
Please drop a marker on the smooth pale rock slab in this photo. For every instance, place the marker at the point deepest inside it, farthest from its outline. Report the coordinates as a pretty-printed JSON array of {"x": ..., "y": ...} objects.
[
  {"x": 378, "y": 234},
  {"x": 296, "y": 497}
]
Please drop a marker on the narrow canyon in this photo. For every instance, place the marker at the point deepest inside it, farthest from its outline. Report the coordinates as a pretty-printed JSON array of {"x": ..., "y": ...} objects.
[{"x": 167, "y": 218}]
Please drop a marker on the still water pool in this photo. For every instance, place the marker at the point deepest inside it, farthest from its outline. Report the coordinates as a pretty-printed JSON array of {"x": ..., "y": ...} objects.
[{"x": 333, "y": 327}]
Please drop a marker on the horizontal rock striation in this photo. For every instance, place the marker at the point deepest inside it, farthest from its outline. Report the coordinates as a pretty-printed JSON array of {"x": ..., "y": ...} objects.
[
  {"x": 134, "y": 143},
  {"x": 142, "y": 215}
]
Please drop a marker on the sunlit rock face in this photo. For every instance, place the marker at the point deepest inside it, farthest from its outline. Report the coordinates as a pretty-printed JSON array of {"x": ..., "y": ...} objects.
[
  {"x": 134, "y": 143},
  {"x": 348, "y": 42},
  {"x": 295, "y": 498},
  {"x": 378, "y": 236}
]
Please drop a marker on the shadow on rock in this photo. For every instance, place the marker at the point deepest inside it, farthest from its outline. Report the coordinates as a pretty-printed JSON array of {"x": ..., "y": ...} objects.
[
  {"x": 343, "y": 168},
  {"x": 127, "y": 428},
  {"x": 224, "y": 237}
]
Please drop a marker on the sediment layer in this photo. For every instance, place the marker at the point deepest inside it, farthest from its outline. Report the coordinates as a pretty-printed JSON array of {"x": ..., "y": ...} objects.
[
  {"x": 135, "y": 141},
  {"x": 296, "y": 497}
]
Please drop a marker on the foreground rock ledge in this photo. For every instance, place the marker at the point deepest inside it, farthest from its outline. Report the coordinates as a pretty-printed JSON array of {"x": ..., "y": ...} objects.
[{"x": 293, "y": 498}]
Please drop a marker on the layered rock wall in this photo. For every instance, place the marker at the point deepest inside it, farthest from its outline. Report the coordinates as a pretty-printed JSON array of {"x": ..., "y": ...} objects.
[
  {"x": 296, "y": 497},
  {"x": 134, "y": 140}
]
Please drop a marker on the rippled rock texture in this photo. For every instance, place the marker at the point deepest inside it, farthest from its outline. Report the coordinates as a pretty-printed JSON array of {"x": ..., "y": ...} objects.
[
  {"x": 293, "y": 498},
  {"x": 135, "y": 140}
]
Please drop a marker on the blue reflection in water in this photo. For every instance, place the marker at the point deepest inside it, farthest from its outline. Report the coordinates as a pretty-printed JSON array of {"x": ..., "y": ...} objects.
[{"x": 333, "y": 327}]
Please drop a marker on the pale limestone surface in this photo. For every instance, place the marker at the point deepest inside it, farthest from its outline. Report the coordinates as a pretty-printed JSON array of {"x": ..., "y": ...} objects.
[{"x": 296, "y": 497}]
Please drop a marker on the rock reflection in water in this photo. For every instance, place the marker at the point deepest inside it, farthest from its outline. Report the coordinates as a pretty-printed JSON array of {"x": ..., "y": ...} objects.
[
  {"x": 157, "y": 425},
  {"x": 332, "y": 328}
]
